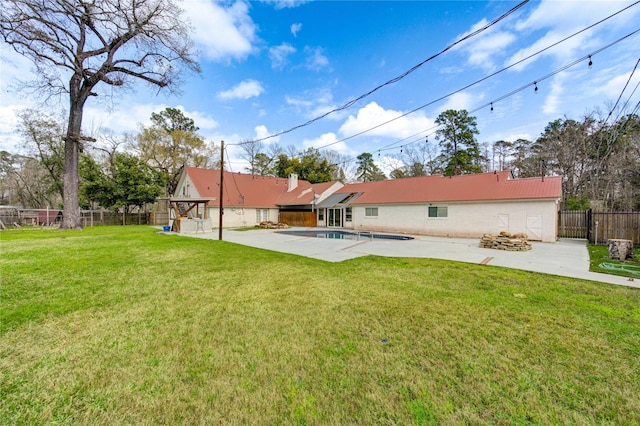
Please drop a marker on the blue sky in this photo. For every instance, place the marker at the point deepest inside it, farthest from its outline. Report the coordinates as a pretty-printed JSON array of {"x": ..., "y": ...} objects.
[{"x": 270, "y": 66}]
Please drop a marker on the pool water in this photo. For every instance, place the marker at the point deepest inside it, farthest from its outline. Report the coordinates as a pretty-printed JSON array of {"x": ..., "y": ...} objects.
[{"x": 344, "y": 235}]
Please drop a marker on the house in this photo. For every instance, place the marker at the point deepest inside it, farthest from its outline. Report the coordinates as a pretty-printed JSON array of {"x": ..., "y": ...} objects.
[
  {"x": 456, "y": 206},
  {"x": 251, "y": 199}
]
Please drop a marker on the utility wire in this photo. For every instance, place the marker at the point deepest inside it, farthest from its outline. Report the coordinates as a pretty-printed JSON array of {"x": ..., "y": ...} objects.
[
  {"x": 350, "y": 103},
  {"x": 400, "y": 77},
  {"x": 513, "y": 92},
  {"x": 622, "y": 92},
  {"x": 492, "y": 75}
]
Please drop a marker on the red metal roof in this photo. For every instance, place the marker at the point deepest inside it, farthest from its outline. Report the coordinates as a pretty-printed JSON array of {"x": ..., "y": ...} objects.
[
  {"x": 245, "y": 190},
  {"x": 437, "y": 188}
]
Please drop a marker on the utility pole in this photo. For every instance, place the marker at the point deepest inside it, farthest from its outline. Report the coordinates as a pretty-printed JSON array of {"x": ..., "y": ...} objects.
[{"x": 221, "y": 190}]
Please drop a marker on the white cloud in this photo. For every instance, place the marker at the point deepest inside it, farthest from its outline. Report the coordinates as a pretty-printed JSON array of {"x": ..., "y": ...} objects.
[
  {"x": 222, "y": 33},
  {"x": 329, "y": 141},
  {"x": 96, "y": 121},
  {"x": 485, "y": 48},
  {"x": 244, "y": 90},
  {"x": 373, "y": 115},
  {"x": 295, "y": 29},
  {"x": 559, "y": 19},
  {"x": 9, "y": 140},
  {"x": 316, "y": 60},
  {"x": 279, "y": 55},
  {"x": 263, "y": 132},
  {"x": 552, "y": 101},
  {"x": 283, "y": 4},
  {"x": 314, "y": 103},
  {"x": 612, "y": 84},
  {"x": 461, "y": 100}
]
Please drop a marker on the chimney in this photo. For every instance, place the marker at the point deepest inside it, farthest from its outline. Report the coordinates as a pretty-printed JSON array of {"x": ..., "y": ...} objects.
[{"x": 293, "y": 182}]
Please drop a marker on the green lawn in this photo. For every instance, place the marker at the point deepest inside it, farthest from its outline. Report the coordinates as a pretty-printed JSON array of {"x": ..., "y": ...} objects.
[{"x": 121, "y": 325}]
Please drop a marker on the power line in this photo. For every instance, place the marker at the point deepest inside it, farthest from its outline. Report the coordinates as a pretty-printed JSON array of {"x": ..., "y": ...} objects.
[
  {"x": 400, "y": 77},
  {"x": 622, "y": 92},
  {"x": 511, "y": 93},
  {"x": 493, "y": 75},
  {"x": 350, "y": 103}
]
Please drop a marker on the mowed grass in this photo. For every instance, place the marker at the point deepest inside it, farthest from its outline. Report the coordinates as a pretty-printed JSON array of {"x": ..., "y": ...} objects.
[{"x": 121, "y": 325}]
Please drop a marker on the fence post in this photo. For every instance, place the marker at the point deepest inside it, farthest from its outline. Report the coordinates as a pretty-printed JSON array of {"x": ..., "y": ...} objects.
[{"x": 589, "y": 225}]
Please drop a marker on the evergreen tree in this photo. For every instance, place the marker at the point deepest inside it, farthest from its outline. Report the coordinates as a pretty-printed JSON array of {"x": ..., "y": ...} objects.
[{"x": 458, "y": 142}]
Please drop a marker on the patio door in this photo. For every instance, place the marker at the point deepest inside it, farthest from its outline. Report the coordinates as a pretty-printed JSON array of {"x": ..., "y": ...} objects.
[{"x": 334, "y": 218}]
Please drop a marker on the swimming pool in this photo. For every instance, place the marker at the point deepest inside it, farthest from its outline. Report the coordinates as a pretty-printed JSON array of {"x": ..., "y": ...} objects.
[{"x": 344, "y": 235}]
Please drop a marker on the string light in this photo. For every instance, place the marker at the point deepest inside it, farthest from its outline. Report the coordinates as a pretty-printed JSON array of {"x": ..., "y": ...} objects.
[
  {"x": 400, "y": 148},
  {"x": 491, "y": 106},
  {"x": 535, "y": 84},
  {"x": 590, "y": 61}
]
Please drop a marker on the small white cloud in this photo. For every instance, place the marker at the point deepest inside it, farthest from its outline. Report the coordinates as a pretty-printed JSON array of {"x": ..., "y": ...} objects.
[
  {"x": 9, "y": 140},
  {"x": 262, "y": 132},
  {"x": 373, "y": 115},
  {"x": 295, "y": 29},
  {"x": 483, "y": 49},
  {"x": 552, "y": 101},
  {"x": 279, "y": 55},
  {"x": 314, "y": 103},
  {"x": 316, "y": 60},
  {"x": 244, "y": 90},
  {"x": 235, "y": 31},
  {"x": 284, "y": 4},
  {"x": 329, "y": 141},
  {"x": 461, "y": 100}
]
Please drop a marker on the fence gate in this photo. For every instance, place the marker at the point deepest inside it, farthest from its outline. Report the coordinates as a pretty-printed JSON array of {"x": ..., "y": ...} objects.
[
  {"x": 598, "y": 227},
  {"x": 573, "y": 224}
]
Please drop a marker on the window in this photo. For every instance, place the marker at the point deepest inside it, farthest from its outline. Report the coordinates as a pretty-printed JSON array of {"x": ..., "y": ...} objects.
[
  {"x": 320, "y": 214},
  {"x": 347, "y": 214},
  {"x": 371, "y": 212},
  {"x": 438, "y": 211},
  {"x": 262, "y": 215}
]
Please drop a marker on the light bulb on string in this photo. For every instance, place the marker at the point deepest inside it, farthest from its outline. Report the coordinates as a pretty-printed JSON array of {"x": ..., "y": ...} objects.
[
  {"x": 590, "y": 61},
  {"x": 491, "y": 106},
  {"x": 400, "y": 148},
  {"x": 535, "y": 85}
]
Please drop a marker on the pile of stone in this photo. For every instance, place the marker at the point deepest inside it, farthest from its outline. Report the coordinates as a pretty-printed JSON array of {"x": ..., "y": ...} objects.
[
  {"x": 506, "y": 241},
  {"x": 272, "y": 225}
]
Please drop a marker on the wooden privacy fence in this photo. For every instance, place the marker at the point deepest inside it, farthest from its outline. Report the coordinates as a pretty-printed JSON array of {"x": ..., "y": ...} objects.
[
  {"x": 299, "y": 218},
  {"x": 598, "y": 227}
]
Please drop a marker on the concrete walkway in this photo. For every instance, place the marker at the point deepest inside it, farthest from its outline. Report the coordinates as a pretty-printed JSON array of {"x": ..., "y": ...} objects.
[{"x": 567, "y": 258}]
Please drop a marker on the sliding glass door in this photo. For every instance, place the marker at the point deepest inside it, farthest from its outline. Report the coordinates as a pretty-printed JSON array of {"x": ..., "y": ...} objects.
[{"x": 334, "y": 218}]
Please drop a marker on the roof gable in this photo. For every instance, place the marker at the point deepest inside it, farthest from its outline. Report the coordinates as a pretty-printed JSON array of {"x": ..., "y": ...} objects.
[{"x": 245, "y": 190}]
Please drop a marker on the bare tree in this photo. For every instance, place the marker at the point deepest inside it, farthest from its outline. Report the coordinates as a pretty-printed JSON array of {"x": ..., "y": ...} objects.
[
  {"x": 76, "y": 44},
  {"x": 250, "y": 150}
]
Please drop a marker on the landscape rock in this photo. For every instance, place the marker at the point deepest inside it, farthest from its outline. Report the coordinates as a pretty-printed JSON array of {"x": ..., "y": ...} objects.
[{"x": 506, "y": 241}]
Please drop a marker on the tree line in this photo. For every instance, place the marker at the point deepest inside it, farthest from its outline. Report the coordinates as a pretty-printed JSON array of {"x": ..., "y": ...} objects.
[{"x": 599, "y": 162}]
